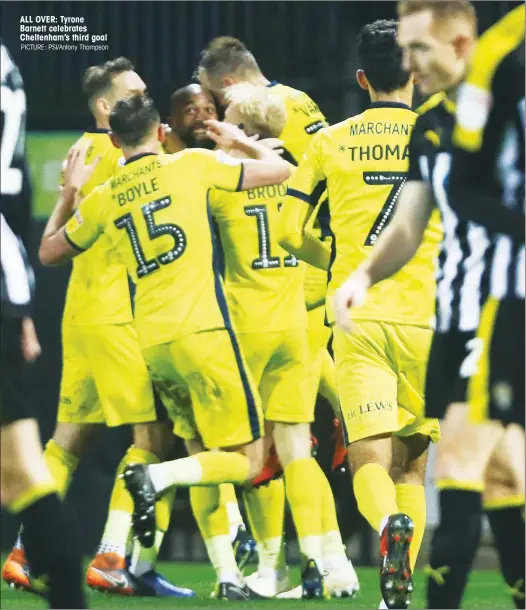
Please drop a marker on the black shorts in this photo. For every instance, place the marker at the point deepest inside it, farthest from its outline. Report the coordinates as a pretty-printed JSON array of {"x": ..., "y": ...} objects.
[
  {"x": 483, "y": 368},
  {"x": 14, "y": 382}
]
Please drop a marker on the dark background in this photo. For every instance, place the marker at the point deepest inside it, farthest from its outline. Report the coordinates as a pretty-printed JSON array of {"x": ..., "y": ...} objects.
[{"x": 307, "y": 45}]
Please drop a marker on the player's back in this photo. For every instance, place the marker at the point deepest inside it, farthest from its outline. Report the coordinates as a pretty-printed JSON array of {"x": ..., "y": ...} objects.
[
  {"x": 304, "y": 119},
  {"x": 98, "y": 290},
  {"x": 158, "y": 220},
  {"x": 263, "y": 282},
  {"x": 366, "y": 161}
]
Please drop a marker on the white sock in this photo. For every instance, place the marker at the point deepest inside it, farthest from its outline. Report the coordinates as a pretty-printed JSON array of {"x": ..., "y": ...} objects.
[
  {"x": 310, "y": 547},
  {"x": 383, "y": 523},
  {"x": 271, "y": 555},
  {"x": 116, "y": 533},
  {"x": 223, "y": 560},
  {"x": 142, "y": 559},
  {"x": 334, "y": 553},
  {"x": 183, "y": 472},
  {"x": 382, "y": 606}
]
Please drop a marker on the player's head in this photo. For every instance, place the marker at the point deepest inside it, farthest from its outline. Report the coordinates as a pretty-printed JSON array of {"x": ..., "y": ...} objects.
[
  {"x": 190, "y": 106},
  {"x": 104, "y": 85},
  {"x": 380, "y": 59},
  {"x": 136, "y": 124},
  {"x": 225, "y": 62},
  {"x": 256, "y": 110},
  {"x": 437, "y": 38}
]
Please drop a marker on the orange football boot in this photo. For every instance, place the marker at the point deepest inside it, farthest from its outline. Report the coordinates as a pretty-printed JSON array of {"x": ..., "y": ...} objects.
[
  {"x": 16, "y": 570},
  {"x": 107, "y": 573}
]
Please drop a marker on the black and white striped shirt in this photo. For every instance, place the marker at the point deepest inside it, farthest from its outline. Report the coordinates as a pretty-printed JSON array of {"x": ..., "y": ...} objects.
[
  {"x": 464, "y": 262},
  {"x": 487, "y": 178},
  {"x": 16, "y": 278}
]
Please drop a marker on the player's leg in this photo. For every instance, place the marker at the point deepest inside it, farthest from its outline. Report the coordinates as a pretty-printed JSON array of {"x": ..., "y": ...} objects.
[
  {"x": 79, "y": 414},
  {"x": 27, "y": 487},
  {"x": 462, "y": 457},
  {"x": 367, "y": 370},
  {"x": 126, "y": 396},
  {"x": 226, "y": 412},
  {"x": 504, "y": 505}
]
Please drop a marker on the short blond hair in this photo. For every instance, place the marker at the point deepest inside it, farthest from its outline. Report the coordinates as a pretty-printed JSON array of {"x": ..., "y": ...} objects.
[
  {"x": 260, "y": 109},
  {"x": 442, "y": 10}
]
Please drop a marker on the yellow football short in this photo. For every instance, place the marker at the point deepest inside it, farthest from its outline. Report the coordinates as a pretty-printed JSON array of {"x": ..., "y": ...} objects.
[
  {"x": 104, "y": 377},
  {"x": 278, "y": 362},
  {"x": 381, "y": 371},
  {"x": 207, "y": 388}
]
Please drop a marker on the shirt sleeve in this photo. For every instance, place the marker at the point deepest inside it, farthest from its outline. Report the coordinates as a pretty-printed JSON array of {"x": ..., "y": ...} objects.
[
  {"x": 222, "y": 170},
  {"x": 87, "y": 223},
  {"x": 303, "y": 194}
]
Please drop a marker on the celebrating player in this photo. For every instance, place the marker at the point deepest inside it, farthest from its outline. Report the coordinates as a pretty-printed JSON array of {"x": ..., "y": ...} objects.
[
  {"x": 380, "y": 368},
  {"x": 438, "y": 39},
  {"x": 104, "y": 376},
  {"x": 189, "y": 343},
  {"x": 260, "y": 276},
  {"x": 190, "y": 106}
]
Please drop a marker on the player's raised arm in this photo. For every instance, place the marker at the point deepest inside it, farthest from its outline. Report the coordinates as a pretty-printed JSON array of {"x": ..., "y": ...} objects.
[
  {"x": 303, "y": 194},
  {"x": 56, "y": 247},
  {"x": 265, "y": 167}
]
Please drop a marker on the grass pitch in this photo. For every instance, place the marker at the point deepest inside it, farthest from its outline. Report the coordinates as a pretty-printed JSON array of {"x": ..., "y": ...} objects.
[{"x": 485, "y": 590}]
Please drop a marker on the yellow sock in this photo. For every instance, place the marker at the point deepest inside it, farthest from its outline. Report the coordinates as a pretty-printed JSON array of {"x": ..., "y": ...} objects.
[
  {"x": 375, "y": 494},
  {"x": 228, "y": 498},
  {"x": 411, "y": 500},
  {"x": 206, "y": 468},
  {"x": 211, "y": 517},
  {"x": 118, "y": 524},
  {"x": 328, "y": 388},
  {"x": 61, "y": 464},
  {"x": 266, "y": 514},
  {"x": 303, "y": 478}
]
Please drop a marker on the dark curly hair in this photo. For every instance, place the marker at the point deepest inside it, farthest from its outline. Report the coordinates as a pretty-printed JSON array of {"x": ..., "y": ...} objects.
[
  {"x": 380, "y": 56},
  {"x": 133, "y": 118}
]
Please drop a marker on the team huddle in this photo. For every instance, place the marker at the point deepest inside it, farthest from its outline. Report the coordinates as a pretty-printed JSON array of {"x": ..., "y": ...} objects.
[{"x": 274, "y": 257}]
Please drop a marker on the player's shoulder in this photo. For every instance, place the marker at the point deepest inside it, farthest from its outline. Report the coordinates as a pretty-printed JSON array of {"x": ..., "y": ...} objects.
[
  {"x": 496, "y": 47},
  {"x": 431, "y": 104},
  {"x": 435, "y": 113}
]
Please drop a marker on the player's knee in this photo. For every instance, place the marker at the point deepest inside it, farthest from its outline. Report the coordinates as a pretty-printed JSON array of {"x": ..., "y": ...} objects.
[
  {"x": 73, "y": 438},
  {"x": 293, "y": 442},
  {"x": 155, "y": 437},
  {"x": 373, "y": 450},
  {"x": 255, "y": 452}
]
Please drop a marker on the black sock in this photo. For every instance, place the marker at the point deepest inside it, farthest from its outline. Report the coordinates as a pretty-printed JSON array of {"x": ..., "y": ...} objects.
[
  {"x": 507, "y": 525},
  {"x": 453, "y": 547},
  {"x": 51, "y": 543}
]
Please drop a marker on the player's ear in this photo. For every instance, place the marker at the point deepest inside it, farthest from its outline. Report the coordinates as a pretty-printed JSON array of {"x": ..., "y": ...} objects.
[
  {"x": 103, "y": 106},
  {"x": 362, "y": 80},
  {"x": 161, "y": 133},
  {"x": 114, "y": 140},
  {"x": 228, "y": 81},
  {"x": 462, "y": 45}
]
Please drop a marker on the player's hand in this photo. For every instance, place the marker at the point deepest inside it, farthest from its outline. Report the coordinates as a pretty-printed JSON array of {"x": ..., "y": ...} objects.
[
  {"x": 76, "y": 171},
  {"x": 350, "y": 294},
  {"x": 30, "y": 345},
  {"x": 225, "y": 135}
]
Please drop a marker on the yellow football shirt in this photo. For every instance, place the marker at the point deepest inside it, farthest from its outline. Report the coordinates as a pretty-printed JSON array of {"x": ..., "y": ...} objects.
[
  {"x": 304, "y": 119},
  {"x": 364, "y": 162},
  {"x": 98, "y": 290},
  {"x": 155, "y": 212},
  {"x": 263, "y": 282}
]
